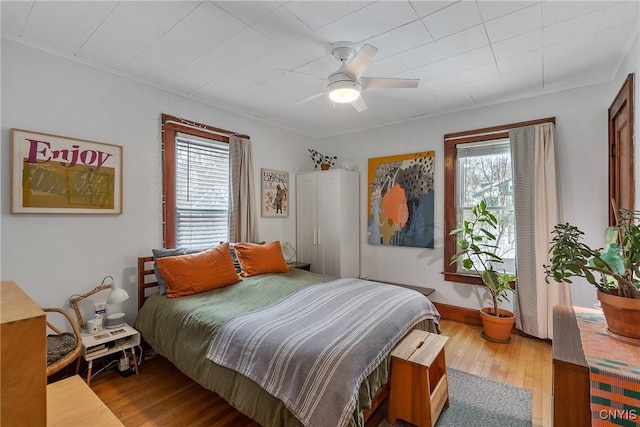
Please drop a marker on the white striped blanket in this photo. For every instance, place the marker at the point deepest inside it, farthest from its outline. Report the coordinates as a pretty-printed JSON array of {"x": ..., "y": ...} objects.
[{"x": 313, "y": 349}]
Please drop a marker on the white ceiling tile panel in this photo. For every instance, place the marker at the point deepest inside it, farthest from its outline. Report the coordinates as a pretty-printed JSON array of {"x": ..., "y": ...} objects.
[
  {"x": 308, "y": 48},
  {"x": 517, "y": 45},
  {"x": 401, "y": 39},
  {"x": 251, "y": 43},
  {"x": 564, "y": 72},
  {"x": 198, "y": 73},
  {"x": 525, "y": 79},
  {"x": 434, "y": 71},
  {"x": 424, "y": 8},
  {"x": 370, "y": 21},
  {"x": 478, "y": 73},
  {"x": 463, "y": 41},
  {"x": 604, "y": 51},
  {"x": 317, "y": 14},
  {"x": 554, "y": 12},
  {"x": 518, "y": 62},
  {"x": 572, "y": 28},
  {"x": 116, "y": 43},
  {"x": 228, "y": 56},
  {"x": 72, "y": 32},
  {"x": 452, "y": 19},
  {"x": 191, "y": 39},
  {"x": 385, "y": 67},
  {"x": 577, "y": 48},
  {"x": 514, "y": 24},
  {"x": 14, "y": 15},
  {"x": 214, "y": 21},
  {"x": 490, "y": 9},
  {"x": 178, "y": 9},
  {"x": 281, "y": 26},
  {"x": 441, "y": 83},
  {"x": 322, "y": 66},
  {"x": 229, "y": 83},
  {"x": 620, "y": 13},
  {"x": 249, "y": 11},
  {"x": 160, "y": 61},
  {"x": 144, "y": 16},
  {"x": 421, "y": 56},
  {"x": 472, "y": 59}
]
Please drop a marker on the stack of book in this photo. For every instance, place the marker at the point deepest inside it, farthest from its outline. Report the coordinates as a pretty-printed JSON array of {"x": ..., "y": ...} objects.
[{"x": 97, "y": 349}]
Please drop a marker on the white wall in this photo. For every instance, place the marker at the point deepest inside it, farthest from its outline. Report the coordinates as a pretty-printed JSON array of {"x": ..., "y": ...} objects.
[
  {"x": 54, "y": 256},
  {"x": 581, "y": 148}
]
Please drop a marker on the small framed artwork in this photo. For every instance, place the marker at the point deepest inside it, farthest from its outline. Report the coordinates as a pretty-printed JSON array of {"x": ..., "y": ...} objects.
[
  {"x": 56, "y": 174},
  {"x": 274, "y": 187}
]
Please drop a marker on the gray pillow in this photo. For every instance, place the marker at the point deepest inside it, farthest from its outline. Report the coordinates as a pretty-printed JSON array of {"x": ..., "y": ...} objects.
[{"x": 161, "y": 253}]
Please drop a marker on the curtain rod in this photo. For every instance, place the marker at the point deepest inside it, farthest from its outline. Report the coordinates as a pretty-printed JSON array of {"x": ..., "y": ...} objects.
[
  {"x": 497, "y": 129},
  {"x": 201, "y": 127}
]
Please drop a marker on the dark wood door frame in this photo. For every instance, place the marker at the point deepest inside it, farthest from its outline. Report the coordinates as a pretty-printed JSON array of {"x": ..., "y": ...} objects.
[{"x": 621, "y": 152}]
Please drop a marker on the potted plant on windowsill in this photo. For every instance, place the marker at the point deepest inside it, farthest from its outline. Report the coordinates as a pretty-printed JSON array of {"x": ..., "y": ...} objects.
[
  {"x": 319, "y": 159},
  {"x": 614, "y": 270},
  {"x": 477, "y": 252}
]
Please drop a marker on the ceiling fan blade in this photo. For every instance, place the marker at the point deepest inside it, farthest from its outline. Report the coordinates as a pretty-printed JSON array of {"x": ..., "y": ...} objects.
[
  {"x": 359, "y": 63},
  {"x": 312, "y": 97},
  {"x": 305, "y": 75},
  {"x": 374, "y": 83},
  {"x": 359, "y": 104}
]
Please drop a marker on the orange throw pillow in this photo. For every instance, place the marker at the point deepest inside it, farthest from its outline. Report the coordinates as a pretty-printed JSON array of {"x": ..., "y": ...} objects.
[
  {"x": 259, "y": 259},
  {"x": 200, "y": 272}
]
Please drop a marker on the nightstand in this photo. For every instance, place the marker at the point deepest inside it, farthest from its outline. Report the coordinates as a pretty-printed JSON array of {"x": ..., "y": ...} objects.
[
  {"x": 109, "y": 341},
  {"x": 300, "y": 265}
]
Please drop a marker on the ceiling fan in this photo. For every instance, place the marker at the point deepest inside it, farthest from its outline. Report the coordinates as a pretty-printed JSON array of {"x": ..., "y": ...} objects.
[{"x": 346, "y": 84}]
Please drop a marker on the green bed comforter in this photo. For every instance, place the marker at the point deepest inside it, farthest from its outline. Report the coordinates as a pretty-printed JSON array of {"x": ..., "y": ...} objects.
[{"x": 181, "y": 330}]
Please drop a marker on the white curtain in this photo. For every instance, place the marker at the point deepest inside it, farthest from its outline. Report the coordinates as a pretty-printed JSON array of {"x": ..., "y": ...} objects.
[
  {"x": 537, "y": 212},
  {"x": 243, "y": 218}
]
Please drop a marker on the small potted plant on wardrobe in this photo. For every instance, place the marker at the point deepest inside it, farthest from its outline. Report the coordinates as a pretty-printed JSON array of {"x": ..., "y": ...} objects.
[
  {"x": 477, "y": 252},
  {"x": 319, "y": 159}
]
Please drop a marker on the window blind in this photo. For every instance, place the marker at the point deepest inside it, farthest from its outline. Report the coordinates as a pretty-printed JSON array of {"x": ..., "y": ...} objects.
[{"x": 202, "y": 191}]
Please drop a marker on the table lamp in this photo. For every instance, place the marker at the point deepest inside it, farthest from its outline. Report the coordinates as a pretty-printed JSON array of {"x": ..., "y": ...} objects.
[{"x": 116, "y": 296}]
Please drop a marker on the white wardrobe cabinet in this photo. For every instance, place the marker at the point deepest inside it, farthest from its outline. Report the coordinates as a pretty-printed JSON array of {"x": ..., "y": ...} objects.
[{"x": 327, "y": 222}]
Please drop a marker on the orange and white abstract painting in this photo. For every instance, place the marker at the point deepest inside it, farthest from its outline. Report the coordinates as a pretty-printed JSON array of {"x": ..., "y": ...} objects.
[{"x": 401, "y": 200}]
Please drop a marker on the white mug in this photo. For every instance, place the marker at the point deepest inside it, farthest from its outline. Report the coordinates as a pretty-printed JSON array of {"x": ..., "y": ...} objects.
[{"x": 94, "y": 326}]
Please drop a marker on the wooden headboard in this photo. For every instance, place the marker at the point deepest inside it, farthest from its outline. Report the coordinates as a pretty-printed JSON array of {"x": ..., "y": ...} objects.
[{"x": 146, "y": 278}]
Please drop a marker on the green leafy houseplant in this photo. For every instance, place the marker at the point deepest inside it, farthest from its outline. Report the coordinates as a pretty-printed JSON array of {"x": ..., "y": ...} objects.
[
  {"x": 614, "y": 270},
  {"x": 617, "y": 265},
  {"x": 478, "y": 253},
  {"x": 320, "y": 159}
]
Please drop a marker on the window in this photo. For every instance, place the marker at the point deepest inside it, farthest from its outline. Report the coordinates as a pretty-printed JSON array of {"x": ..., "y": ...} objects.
[
  {"x": 195, "y": 183},
  {"x": 478, "y": 166}
]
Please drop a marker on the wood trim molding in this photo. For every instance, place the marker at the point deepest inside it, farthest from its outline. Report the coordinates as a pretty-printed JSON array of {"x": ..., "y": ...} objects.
[{"x": 493, "y": 129}]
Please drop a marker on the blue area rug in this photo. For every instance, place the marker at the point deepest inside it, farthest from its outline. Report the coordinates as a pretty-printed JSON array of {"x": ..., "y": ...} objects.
[{"x": 476, "y": 401}]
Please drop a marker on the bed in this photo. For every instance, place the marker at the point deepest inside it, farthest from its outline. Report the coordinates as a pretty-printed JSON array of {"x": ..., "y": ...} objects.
[{"x": 181, "y": 330}]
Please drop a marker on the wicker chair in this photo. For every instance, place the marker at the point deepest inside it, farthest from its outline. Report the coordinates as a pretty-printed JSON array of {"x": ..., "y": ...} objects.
[{"x": 63, "y": 348}]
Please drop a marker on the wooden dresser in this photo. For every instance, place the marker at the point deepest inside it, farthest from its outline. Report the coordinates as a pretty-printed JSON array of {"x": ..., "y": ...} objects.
[
  {"x": 570, "y": 371},
  {"x": 27, "y": 400}
]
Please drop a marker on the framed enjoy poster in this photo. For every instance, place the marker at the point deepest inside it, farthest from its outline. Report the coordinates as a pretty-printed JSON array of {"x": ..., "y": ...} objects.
[
  {"x": 56, "y": 174},
  {"x": 274, "y": 186}
]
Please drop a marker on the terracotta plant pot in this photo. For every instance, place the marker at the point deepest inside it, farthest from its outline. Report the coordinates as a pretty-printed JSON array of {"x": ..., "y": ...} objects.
[
  {"x": 622, "y": 314},
  {"x": 325, "y": 166},
  {"x": 497, "y": 328}
]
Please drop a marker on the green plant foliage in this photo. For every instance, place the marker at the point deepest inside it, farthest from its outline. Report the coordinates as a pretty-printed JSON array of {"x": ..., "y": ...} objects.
[
  {"x": 319, "y": 158},
  {"x": 476, "y": 249},
  {"x": 613, "y": 269}
]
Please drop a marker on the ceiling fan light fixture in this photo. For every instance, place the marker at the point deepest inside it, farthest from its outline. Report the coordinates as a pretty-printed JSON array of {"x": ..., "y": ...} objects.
[{"x": 344, "y": 91}]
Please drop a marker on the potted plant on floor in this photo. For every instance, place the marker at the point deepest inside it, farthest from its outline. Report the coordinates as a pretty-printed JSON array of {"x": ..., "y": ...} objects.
[
  {"x": 319, "y": 159},
  {"x": 477, "y": 252},
  {"x": 614, "y": 270}
]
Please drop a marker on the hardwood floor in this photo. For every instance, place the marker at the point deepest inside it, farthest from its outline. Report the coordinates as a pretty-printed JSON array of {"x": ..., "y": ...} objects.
[{"x": 162, "y": 396}]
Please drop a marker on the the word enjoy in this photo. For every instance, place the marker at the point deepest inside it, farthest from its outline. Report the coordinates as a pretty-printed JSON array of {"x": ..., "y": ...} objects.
[{"x": 41, "y": 152}]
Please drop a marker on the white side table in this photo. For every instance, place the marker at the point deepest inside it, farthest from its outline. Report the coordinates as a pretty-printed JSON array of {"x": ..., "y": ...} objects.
[{"x": 109, "y": 341}]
